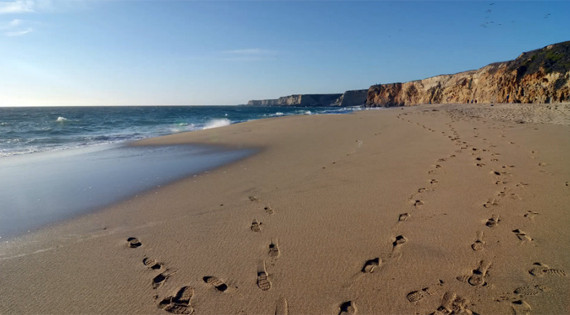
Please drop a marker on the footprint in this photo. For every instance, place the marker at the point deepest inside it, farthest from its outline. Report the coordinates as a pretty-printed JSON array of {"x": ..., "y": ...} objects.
[
  {"x": 416, "y": 296},
  {"x": 522, "y": 235},
  {"x": 403, "y": 217},
  {"x": 370, "y": 265},
  {"x": 253, "y": 198},
  {"x": 216, "y": 283},
  {"x": 530, "y": 214},
  {"x": 531, "y": 290},
  {"x": 479, "y": 243},
  {"x": 421, "y": 190},
  {"x": 179, "y": 303},
  {"x": 398, "y": 242},
  {"x": 493, "y": 221},
  {"x": 159, "y": 280},
  {"x": 133, "y": 242},
  {"x": 273, "y": 250},
  {"x": 490, "y": 203},
  {"x": 347, "y": 308},
  {"x": 541, "y": 270},
  {"x": 281, "y": 307},
  {"x": 520, "y": 307},
  {"x": 451, "y": 303},
  {"x": 255, "y": 226},
  {"x": 263, "y": 279},
  {"x": 268, "y": 210},
  {"x": 418, "y": 203},
  {"x": 151, "y": 263},
  {"x": 433, "y": 181},
  {"x": 477, "y": 276}
]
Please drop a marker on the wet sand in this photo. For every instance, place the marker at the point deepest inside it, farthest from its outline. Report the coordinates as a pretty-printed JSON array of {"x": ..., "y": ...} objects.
[{"x": 443, "y": 209}]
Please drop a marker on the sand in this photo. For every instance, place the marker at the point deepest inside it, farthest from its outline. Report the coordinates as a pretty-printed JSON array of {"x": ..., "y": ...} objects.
[{"x": 444, "y": 209}]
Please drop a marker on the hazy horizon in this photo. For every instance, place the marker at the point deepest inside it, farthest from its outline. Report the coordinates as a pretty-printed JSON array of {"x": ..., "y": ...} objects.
[{"x": 133, "y": 53}]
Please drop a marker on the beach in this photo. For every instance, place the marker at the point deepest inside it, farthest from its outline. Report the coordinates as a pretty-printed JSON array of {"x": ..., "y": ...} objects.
[{"x": 410, "y": 210}]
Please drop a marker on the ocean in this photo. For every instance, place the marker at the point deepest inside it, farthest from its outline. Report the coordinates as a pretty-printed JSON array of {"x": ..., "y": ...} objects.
[
  {"x": 60, "y": 162},
  {"x": 39, "y": 129}
]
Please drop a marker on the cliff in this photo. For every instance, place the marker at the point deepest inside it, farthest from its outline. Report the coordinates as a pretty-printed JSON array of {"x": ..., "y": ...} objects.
[
  {"x": 352, "y": 98},
  {"x": 538, "y": 76},
  {"x": 299, "y": 100}
]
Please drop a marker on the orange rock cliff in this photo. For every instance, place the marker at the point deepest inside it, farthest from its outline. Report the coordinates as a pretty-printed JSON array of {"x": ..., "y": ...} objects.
[{"x": 538, "y": 76}]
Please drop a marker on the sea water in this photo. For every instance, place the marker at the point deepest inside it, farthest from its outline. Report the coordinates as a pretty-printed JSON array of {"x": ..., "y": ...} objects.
[{"x": 60, "y": 162}]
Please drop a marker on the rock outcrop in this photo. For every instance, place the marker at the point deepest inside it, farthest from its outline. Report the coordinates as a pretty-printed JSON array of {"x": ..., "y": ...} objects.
[
  {"x": 538, "y": 76},
  {"x": 352, "y": 98},
  {"x": 299, "y": 100}
]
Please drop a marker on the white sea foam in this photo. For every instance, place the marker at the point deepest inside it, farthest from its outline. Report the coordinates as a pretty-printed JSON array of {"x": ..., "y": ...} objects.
[
  {"x": 308, "y": 112},
  {"x": 215, "y": 123},
  {"x": 279, "y": 114},
  {"x": 61, "y": 119}
]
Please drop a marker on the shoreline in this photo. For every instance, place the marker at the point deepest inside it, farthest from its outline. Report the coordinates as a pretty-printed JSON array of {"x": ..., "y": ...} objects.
[{"x": 376, "y": 211}]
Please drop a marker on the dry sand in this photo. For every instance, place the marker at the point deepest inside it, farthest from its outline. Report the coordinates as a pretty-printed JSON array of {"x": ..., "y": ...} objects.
[{"x": 443, "y": 209}]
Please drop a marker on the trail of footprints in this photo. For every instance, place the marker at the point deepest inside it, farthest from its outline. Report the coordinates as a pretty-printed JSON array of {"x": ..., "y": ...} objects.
[
  {"x": 180, "y": 301},
  {"x": 451, "y": 303}
]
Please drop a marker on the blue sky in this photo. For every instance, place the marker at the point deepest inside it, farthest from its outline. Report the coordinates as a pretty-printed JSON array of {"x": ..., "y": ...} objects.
[{"x": 79, "y": 52}]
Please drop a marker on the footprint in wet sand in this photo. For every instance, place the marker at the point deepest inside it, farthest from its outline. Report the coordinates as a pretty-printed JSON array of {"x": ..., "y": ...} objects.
[
  {"x": 263, "y": 278},
  {"x": 479, "y": 243},
  {"x": 521, "y": 235},
  {"x": 493, "y": 221},
  {"x": 370, "y": 265},
  {"x": 477, "y": 276},
  {"x": 281, "y": 307},
  {"x": 255, "y": 225},
  {"x": 159, "y": 280},
  {"x": 541, "y": 270},
  {"x": 179, "y": 303},
  {"x": 416, "y": 296},
  {"x": 216, "y": 283},
  {"x": 133, "y": 242},
  {"x": 347, "y": 308},
  {"x": 253, "y": 198},
  {"x": 273, "y": 250},
  {"x": 403, "y": 217},
  {"x": 151, "y": 263},
  {"x": 433, "y": 181}
]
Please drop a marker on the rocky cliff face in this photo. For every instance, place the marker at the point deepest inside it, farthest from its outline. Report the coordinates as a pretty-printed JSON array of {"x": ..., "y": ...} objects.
[
  {"x": 299, "y": 100},
  {"x": 352, "y": 98},
  {"x": 539, "y": 76}
]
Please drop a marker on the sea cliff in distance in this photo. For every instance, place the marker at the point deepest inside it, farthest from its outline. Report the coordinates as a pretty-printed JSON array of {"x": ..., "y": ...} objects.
[{"x": 538, "y": 76}]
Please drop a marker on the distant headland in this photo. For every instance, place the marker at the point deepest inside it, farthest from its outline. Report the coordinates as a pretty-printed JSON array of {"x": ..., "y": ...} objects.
[{"x": 538, "y": 76}]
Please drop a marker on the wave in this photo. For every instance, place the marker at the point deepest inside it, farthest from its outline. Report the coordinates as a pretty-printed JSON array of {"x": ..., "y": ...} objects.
[
  {"x": 61, "y": 119},
  {"x": 215, "y": 123}
]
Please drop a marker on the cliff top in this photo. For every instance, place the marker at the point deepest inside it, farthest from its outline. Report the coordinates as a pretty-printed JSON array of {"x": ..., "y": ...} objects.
[{"x": 552, "y": 58}]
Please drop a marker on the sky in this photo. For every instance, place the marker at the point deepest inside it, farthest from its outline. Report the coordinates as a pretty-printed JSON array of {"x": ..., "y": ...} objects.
[{"x": 168, "y": 52}]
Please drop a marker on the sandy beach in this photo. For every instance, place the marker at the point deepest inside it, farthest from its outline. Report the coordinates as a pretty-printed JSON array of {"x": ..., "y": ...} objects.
[{"x": 443, "y": 209}]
